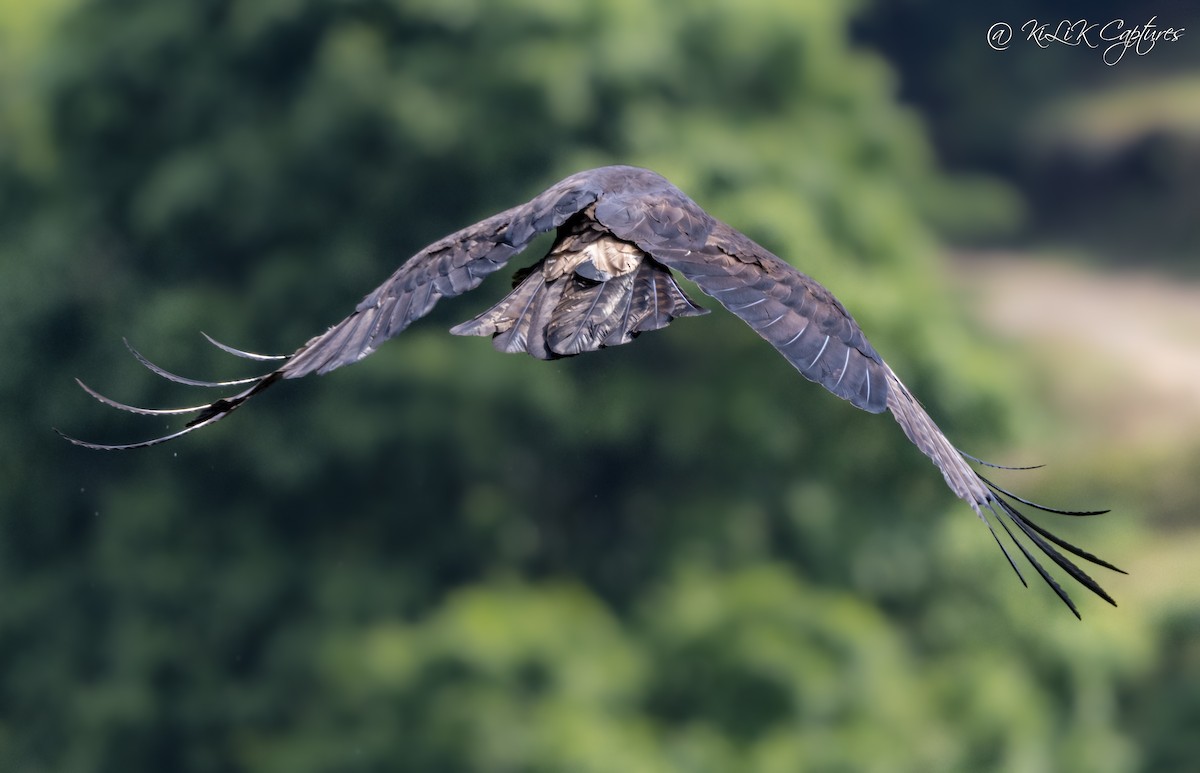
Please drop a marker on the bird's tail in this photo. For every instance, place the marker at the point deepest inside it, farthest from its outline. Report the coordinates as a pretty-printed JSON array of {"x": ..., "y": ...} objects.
[{"x": 561, "y": 316}]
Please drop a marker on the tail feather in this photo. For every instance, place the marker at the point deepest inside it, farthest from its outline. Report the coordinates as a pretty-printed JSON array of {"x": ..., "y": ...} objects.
[
  {"x": 509, "y": 322},
  {"x": 587, "y": 313},
  {"x": 551, "y": 313}
]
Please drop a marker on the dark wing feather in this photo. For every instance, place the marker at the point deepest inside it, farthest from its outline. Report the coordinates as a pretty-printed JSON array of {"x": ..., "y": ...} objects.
[
  {"x": 795, "y": 314},
  {"x": 448, "y": 267},
  {"x": 817, "y": 335},
  {"x": 984, "y": 497}
]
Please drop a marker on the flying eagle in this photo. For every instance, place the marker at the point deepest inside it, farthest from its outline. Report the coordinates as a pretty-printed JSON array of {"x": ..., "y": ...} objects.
[{"x": 621, "y": 231}]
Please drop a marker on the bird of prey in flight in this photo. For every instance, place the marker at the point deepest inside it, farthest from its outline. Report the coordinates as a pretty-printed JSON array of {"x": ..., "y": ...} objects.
[{"x": 607, "y": 278}]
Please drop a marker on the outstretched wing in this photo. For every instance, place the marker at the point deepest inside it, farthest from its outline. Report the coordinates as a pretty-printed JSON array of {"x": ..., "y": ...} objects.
[
  {"x": 794, "y": 313},
  {"x": 446, "y": 268},
  {"x": 798, "y": 316},
  {"x": 810, "y": 328}
]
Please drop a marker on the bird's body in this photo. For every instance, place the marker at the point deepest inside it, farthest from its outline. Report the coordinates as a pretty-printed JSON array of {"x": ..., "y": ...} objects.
[
  {"x": 592, "y": 290},
  {"x": 620, "y": 232}
]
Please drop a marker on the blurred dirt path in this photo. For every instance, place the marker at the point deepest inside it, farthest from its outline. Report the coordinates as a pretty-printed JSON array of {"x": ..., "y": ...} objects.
[
  {"x": 1121, "y": 351},
  {"x": 1128, "y": 341}
]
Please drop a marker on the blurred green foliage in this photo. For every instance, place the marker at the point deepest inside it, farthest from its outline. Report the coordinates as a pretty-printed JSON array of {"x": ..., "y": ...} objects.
[{"x": 672, "y": 555}]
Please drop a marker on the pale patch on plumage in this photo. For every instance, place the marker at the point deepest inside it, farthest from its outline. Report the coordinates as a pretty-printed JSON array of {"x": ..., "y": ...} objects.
[{"x": 600, "y": 260}]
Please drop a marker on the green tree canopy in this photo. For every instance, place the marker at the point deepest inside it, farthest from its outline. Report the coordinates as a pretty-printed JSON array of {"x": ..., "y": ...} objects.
[{"x": 671, "y": 555}]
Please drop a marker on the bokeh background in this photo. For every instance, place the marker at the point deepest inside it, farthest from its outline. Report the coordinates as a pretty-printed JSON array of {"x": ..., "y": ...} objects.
[{"x": 674, "y": 555}]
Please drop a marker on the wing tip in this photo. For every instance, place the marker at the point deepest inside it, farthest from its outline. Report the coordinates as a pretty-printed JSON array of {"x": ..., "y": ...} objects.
[{"x": 1044, "y": 541}]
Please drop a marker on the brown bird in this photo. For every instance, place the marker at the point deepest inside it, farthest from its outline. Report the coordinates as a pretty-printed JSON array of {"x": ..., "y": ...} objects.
[{"x": 606, "y": 279}]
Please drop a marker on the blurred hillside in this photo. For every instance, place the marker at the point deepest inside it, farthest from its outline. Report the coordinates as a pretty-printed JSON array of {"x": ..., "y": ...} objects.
[
  {"x": 1102, "y": 159},
  {"x": 674, "y": 555}
]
